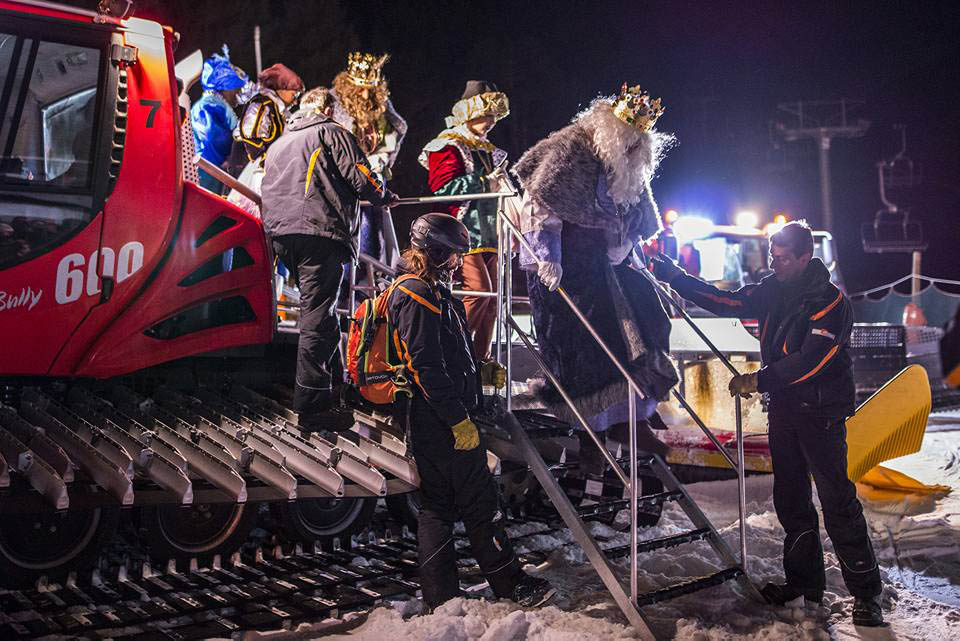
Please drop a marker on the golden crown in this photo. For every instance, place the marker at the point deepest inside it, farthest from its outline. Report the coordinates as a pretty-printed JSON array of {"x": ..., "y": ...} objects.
[
  {"x": 364, "y": 68},
  {"x": 634, "y": 107}
]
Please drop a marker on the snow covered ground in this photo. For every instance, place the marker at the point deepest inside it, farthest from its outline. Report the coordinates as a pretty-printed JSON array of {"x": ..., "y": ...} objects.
[{"x": 917, "y": 542}]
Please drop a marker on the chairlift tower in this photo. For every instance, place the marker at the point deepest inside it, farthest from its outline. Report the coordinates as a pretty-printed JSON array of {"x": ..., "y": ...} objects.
[{"x": 822, "y": 121}]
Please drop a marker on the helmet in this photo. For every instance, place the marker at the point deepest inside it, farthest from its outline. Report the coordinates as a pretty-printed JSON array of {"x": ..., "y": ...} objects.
[{"x": 439, "y": 234}]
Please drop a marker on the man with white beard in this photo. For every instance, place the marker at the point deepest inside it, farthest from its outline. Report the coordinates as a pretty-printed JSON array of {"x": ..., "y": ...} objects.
[{"x": 587, "y": 204}]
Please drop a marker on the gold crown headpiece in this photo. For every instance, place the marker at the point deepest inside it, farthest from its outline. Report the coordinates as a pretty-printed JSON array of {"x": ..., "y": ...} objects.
[
  {"x": 364, "y": 69},
  {"x": 634, "y": 107}
]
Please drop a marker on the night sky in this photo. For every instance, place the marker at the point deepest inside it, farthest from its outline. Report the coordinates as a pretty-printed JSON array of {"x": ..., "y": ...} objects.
[{"x": 721, "y": 72}]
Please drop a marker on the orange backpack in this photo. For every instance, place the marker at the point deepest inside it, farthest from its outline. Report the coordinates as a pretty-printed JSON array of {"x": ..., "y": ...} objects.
[{"x": 374, "y": 365}]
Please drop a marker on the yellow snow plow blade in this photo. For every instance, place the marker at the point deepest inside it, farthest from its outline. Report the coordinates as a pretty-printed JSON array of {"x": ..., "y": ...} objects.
[{"x": 890, "y": 423}]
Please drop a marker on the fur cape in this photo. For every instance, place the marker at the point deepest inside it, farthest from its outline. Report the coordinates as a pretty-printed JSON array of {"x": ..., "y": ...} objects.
[{"x": 567, "y": 174}]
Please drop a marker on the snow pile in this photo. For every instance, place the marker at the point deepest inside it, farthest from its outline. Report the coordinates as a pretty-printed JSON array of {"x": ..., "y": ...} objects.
[
  {"x": 919, "y": 556},
  {"x": 476, "y": 620}
]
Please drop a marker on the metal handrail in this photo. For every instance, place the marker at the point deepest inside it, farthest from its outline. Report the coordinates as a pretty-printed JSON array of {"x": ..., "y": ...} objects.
[
  {"x": 737, "y": 405},
  {"x": 569, "y": 401}
]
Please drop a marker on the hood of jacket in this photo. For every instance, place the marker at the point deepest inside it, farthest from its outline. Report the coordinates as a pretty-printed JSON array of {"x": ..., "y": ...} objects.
[{"x": 305, "y": 118}]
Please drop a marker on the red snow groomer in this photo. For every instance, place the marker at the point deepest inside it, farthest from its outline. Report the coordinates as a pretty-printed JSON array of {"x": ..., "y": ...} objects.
[{"x": 119, "y": 281}]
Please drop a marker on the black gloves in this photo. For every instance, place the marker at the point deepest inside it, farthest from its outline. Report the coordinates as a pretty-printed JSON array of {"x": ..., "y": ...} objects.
[{"x": 664, "y": 268}]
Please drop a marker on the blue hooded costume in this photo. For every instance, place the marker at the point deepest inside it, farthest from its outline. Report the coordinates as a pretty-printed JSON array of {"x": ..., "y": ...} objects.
[{"x": 212, "y": 116}]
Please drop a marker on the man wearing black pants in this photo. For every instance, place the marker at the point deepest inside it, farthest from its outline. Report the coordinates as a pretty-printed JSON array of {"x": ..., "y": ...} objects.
[
  {"x": 805, "y": 324},
  {"x": 315, "y": 176}
]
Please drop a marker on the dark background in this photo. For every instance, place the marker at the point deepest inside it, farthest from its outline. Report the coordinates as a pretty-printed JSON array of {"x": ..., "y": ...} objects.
[{"x": 721, "y": 70}]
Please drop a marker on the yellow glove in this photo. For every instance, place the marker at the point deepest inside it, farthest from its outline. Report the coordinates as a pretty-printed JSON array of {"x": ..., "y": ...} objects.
[
  {"x": 465, "y": 435},
  {"x": 743, "y": 384},
  {"x": 493, "y": 373}
]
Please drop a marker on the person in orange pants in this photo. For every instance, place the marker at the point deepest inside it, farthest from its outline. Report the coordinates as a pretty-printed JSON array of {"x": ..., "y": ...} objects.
[{"x": 462, "y": 161}]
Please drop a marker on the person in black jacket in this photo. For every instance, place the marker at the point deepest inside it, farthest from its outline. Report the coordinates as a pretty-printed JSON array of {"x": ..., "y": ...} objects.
[
  {"x": 455, "y": 484},
  {"x": 315, "y": 176},
  {"x": 805, "y": 324}
]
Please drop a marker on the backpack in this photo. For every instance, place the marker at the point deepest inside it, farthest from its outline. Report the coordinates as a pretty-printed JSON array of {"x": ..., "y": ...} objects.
[{"x": 375, "y": 367}]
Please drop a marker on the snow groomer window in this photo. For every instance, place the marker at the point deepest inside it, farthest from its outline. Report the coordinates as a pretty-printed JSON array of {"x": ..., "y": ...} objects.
[{"x": 48, "y": 102}]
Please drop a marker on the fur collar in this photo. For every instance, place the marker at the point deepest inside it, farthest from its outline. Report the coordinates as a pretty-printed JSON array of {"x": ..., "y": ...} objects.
[
  {"x": 630, "y": 157},
  {"x": 562, "y": 173}
]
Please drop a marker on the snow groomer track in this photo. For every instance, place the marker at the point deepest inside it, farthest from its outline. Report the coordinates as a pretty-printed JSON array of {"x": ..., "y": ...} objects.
[{"x": 115, "y": 464}]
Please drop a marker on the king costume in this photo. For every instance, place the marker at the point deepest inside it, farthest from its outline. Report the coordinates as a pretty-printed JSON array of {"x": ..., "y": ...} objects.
[
  {"x": 587, "y": 205},
  {"x": 362, "y": 105}
]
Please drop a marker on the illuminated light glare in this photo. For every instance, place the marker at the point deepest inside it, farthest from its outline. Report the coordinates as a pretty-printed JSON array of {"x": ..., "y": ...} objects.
[
  {"x": 746, "y": 218},
  {"x": 778, "y": 222},
  {"x": 689, "y": 228},
  {"x": 671, "y": 216},
  {"x": 772, "y": 228}
]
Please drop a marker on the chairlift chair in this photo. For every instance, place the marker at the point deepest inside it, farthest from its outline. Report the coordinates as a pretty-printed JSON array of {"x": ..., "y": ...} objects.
[{"x": 892, "y": 232}]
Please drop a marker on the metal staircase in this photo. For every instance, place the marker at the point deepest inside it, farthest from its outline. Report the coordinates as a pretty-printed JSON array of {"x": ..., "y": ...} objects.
[{"x": 629, "y": 599}]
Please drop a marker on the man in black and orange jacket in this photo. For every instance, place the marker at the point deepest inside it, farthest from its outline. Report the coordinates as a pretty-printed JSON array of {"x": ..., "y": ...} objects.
[{"x": 805, "y": 324}]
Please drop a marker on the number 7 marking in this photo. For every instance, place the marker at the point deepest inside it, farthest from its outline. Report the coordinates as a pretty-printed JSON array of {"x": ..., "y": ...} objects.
[{"x": 154, "y": 106}]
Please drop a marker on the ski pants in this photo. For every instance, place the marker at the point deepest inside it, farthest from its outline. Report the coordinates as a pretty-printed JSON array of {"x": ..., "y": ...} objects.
[
  {"x": 317, "y": 266},
  {"x": 804, "y": 445},
  {"x": 456, "y": 485}
]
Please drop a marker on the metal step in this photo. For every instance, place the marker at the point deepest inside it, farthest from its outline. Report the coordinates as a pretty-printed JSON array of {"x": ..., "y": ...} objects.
[
  {"x": 688, "y": 587},
  {"x": 608, "y": 506},
  {"x": 661, "y": 543}
]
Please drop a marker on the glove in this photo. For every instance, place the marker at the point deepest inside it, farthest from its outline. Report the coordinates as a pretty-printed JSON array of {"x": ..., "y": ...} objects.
[
  {"x": 493, "y": 373},
  {"x": 665, "y": 268},
  {"x": 550, "y": 274},
  {"x": 743, "y": 384},
  {"x": 497, "y": 180},
  {"x": 390, "y": 199},
  {"x": 465, "y": 435}
]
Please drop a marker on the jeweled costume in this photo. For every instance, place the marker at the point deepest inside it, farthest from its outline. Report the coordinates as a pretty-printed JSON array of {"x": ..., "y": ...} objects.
[
  {"x": 458, "y": 162},
  {"x": 379, "y": 131},
  {"x": 587, "y": 204}
]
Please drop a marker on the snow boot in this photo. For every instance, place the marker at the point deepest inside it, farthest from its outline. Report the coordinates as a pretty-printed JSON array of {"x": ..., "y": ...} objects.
[
  {"x": 776, "y": 594},
  {"x": 532, "y": 592},
  {"x": 867, "y": 612}
]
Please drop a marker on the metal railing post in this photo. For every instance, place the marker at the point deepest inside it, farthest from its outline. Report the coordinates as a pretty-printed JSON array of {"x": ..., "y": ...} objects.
[
  {"x": 499, "y": 322},
  {"x": 507, "y": 286},
  {"x": 738, "y": 407},
  {"x": 741, "y": 484},
  {"x": 612, "y": 462},
  {"x": 634, "y": 495}
]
